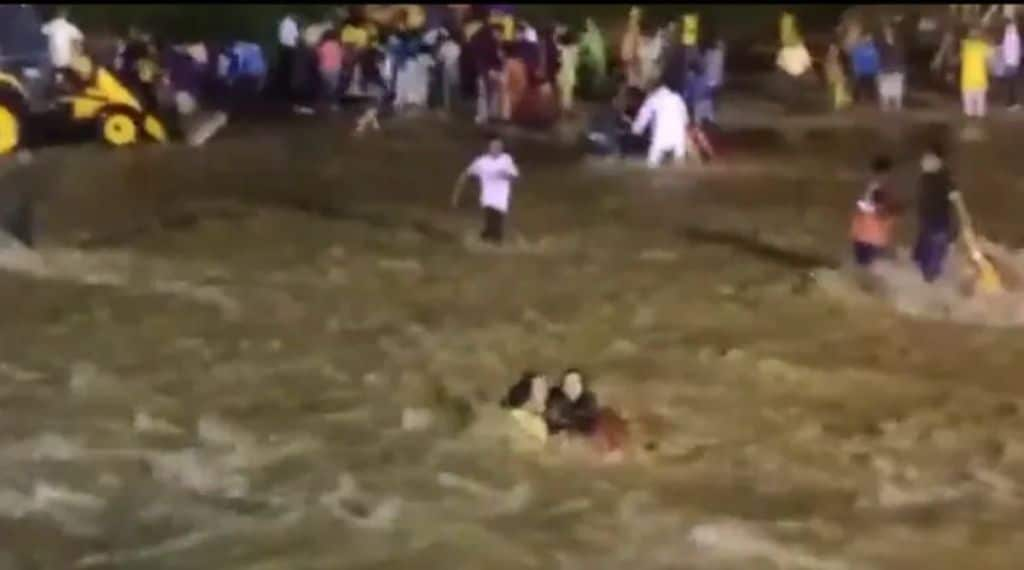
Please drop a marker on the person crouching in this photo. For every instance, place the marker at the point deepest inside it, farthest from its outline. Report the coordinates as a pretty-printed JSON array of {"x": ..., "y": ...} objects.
[{"x": 667, "y": 111}]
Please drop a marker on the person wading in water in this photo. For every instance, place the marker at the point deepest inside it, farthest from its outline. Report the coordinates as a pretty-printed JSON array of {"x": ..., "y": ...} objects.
[{"x": 495, "y": 170}]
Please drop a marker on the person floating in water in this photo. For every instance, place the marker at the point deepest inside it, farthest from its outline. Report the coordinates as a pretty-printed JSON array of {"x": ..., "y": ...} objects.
[
  {"x": 871, "y": 228},
  {"x": 935, "y": 216},
  {"x": 496, "y": 169},
  {"x": 568, "y": 408},
  {"x": 571, "y": 406},
  {"x": 666, "y": 109},
  {"x": 526, "y": 401}
]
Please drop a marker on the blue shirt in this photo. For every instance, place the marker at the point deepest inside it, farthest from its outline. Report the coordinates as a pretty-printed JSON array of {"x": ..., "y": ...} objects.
[
  {"x": 697, "y": 88},
  {"x": 865, "y": 59}
]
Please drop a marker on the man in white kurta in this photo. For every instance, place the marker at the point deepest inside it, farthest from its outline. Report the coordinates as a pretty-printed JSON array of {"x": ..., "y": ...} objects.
[{"x": 668, "y": 134}]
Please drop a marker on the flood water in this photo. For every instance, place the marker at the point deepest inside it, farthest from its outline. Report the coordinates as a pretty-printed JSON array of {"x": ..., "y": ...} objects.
[{"x": 284, "y": 351}]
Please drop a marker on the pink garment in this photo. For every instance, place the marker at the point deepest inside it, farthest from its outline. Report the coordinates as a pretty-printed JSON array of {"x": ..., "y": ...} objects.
[{"x": 330, "y": 55}]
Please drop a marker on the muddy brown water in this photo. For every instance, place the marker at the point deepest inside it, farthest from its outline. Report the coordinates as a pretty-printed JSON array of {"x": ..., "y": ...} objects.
[{"x": 214, "y": 372}]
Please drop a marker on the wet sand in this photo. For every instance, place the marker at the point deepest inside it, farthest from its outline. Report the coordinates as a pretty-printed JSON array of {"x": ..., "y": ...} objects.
[{"x": 218, "y": 377}]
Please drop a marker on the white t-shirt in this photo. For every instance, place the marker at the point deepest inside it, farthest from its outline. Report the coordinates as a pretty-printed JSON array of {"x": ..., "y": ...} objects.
[
  {"x": 61, "y": 34},
  {"x": 288, "y": 32},
  {"x": 494, "y": 173},
  {"x": 794, "y": 60},
  {"x": 450, "y": 52}
]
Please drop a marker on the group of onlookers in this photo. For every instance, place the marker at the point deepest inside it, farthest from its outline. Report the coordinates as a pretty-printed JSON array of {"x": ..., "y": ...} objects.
[{"x": 863, "y": 66}]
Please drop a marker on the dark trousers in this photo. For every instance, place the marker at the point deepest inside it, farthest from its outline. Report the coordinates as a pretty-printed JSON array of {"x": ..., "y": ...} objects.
[
  {"x": 1011, "y": 83},
  {"x": 494, "y": 225},
  {"x": 282, "y": 85},
  {"x": 864, "y": 88},
  {"x": 930, "y": 252},
  {"x": 865, "y": 253}
]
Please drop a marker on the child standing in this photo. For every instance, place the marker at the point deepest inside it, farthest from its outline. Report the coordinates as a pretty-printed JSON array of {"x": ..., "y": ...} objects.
[
  {"x": 871, "y": 228},
  {"x": 495, "y": 170},
  {"x": 864, "y": 60},
  {"x": 974, "y": 58}
]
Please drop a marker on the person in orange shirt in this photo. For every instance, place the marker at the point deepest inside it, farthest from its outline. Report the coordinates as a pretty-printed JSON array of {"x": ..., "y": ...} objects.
[{"x": 873, "y": 219}]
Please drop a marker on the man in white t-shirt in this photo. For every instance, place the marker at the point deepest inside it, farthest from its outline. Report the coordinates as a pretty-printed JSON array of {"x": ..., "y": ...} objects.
[
  {"x": 64, "y": 39},
  {"x": 495, "y": 170}
]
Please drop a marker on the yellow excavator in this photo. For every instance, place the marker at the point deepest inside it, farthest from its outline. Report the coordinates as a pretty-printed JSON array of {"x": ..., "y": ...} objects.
[
  {"x": 105, "y": 102},
  {"x": 13, "y": 109},
  {"x": 98, "y": 100}
]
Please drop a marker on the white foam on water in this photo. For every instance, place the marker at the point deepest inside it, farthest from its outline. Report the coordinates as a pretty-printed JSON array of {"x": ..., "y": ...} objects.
[
  {"x": 201, "y": 472},
  {"x": 19, "y": 374},
  {"x": 739, "y": 541},
  {"x": 898, "y": 283},
  {"x": 112, "y": 270},
  {"x": 224, "y": 463},
  {"x": 76, "y": 512},
  {"x": 497, "y": 502},
  {"x": 44, "y": 447},
  {"x": 145, "y": 423},
  {"x": 191, "y": 540},
  {"x": 351, "y": 505}
]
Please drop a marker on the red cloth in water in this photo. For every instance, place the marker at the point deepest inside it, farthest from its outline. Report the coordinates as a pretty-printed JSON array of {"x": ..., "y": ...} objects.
[{"x": 611, "y": 432}]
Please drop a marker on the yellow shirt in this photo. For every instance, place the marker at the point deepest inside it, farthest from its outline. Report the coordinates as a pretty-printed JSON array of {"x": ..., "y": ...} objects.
[
  {"x": 690, "y": 29},
  {"x": 974, "y": 56},
  {"x": 788, "y": 34},
  {"x": 416, "y": 16},
  {"x": 532, "y": 425},
  {"x": 507, "y": 23},
  {"x": 356, "y": 36}
]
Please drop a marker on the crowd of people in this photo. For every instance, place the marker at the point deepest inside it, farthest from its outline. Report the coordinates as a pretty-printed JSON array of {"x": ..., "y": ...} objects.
[
  {"x": 869, "y": 63},
  {"x": 666, "y": 79},
  {"x": 506, "y": 67},
  {"x": 513, "y": 70}
]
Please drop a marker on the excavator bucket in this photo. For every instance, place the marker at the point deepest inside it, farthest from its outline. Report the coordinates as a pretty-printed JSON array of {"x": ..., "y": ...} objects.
[{"x": 154, "y": 128}]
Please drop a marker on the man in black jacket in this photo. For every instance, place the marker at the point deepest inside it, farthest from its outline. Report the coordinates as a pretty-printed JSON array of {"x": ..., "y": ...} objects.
[{"x": 937, "y": 226}]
